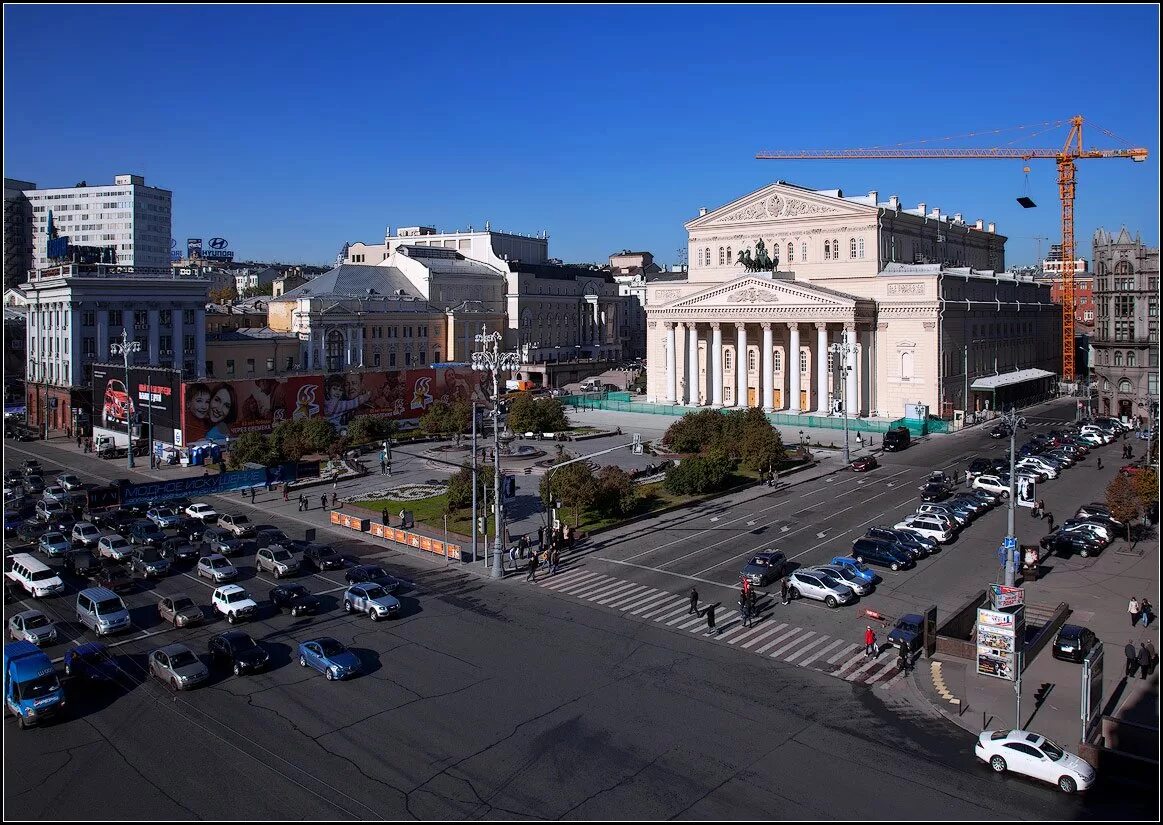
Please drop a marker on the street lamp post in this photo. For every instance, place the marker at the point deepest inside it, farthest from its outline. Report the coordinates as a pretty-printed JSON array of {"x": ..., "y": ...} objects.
[
  {"x": 841, "y": 351},
  {"x": 125, "y": 348},
  {"x": 495, "y": 361},
  {"x": 1013, "y": 421}
]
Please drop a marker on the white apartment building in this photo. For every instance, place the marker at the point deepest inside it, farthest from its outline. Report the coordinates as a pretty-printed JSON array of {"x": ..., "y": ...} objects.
[{"x": 129, "y": 216}]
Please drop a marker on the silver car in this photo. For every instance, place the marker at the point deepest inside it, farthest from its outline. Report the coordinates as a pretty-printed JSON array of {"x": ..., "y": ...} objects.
[
  {"x": 216, "y": 567},
  {"x": 54, "y": 544},
  {"x": 372, "y": 599},
  {"x": 845, "y": 575},
  {"x": 32, "y": 626},
  {"x": 114, "y": 547},
  {"x": 86, "y": 534},
  {"x": 821, "y": 588},
  {"x": 277, "y": 559},
  {"x": 178, "y": 667}
]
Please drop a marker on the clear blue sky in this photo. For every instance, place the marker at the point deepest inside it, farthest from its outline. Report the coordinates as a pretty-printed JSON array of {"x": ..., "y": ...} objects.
[{"x": 290, "y": 130}]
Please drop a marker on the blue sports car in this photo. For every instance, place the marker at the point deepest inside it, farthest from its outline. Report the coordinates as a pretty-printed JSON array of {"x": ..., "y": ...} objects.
[
  {"x": 91, "y": 661},
  {"x": 329, "y": 657},
  {"x": 863, "y": 572}
]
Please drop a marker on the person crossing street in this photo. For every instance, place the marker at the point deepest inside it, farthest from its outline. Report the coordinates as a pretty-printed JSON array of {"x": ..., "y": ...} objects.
[{"x": 870, "y": 648}]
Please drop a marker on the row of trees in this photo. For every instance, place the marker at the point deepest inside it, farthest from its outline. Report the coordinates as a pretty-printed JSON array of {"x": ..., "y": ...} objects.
[
  {"x": 1130, "y": 496},
  {"x": 287, "y": 441},
  {"x": 715, "y": 443}
]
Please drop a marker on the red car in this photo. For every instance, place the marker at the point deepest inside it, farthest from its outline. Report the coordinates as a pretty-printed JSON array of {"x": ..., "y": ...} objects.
[
  {"x": 118, "y": 406},
  {"x": 1131, "y": 470},
  {"x": 864, "y": 464}
]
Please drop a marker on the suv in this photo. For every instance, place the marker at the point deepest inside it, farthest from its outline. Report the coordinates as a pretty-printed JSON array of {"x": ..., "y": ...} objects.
[
  {"x": 929, "y": 526},
  {"x": 86, "y": 534},
  {"x": 879, "y": 552},
  {"x": 238, "y": 525},
  {"x": 216, "y": 567},
  {"x": 47, "y": 511},
  {"x": 218, "y": 540},
  {"x": 114, "y": 547},
  {"x": 827, "y": 589},
  {"x": 320, "y": 557},
  {"x": 979, "y": 466},
  {"x": 277, "y": 559},
  {"x": 146, "y": 532},
  {"x": 903, "y": 540},
  {"x": 908, "y": 633},
  {"x": 371, "y": 599},
  {"x": 178, "y": 549},
  {"x": 992, "y": 484},
  {"x": 234, "y": 603},
  {"x": 149, "y": 562},
  {"x": 764, "y": 567},
  {"x": 896, "y": 439}
]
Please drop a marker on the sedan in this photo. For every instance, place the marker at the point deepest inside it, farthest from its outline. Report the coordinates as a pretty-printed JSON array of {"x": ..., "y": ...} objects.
[
  {"x": 114, "y": 547},
  {"x": 864, "y": 464},
  {"x": 179, "y": 610},
  {"x": 32, "y": 626},
  {"x": 163, "y": 516},
  {"x": 178, "y": 549},
  {"x": 267, "y": 534},
  {"x": 217, "y": 568},
  {"x": 295, "y": 598},
  {"x": 843, "y": 575},
  {"x": 91, "y": 661},
  {"x": 238, "y": 651},
  {"x": 373, "y": 573},
  {"x": 54, "y": 544},
  {"x": 86, "y": 534},
  {"x": 203, "y": 512},
  {"x": 178, "y": 667},
  {"x": 70, "y": 482},
  {"x": 1073, "y": 643},
  {"x": 1034, "y": 755},
  {"x": 1066, "y": 544},
  {"x": 934, "y": 492},
  {"x": 329, "y": 657},
  {"x": 814, "y": 586},
  {"x": 764, "y": 567},
  {"x": 862, "y": 572},
  {"x": 190, "y": 528},
  {"x": 149, "y": 562},
  {"x": 1000, "y": 431}
]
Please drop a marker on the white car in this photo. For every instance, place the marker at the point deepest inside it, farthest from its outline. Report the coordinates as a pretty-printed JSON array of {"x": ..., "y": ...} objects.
[
  {"x": 86, "y": 534},
  {"x": 1099, "y": 531},
  {"x": 234, "y": 603},
  {"x": 217, "y": 567},
  {"x": 70, "y": 482},
  {"x": 1034, "y": 755},
  {"x": 114, "y": 547},
  {"x": 1043, "y": 470},
  {"x": 47, "y": 510},
  {"x": 927, "y": 526},
  {"x": 830, "y": 591},
  {"x": 992, "y": 484},
  {"x": 163, "y": 516},
  {"x": 239, "y": 525},
  {"x": 203, "y": 512},
  {"x": 56, "y": 492},
  {"x": 956, "y": 520},
  {"x": 846, "y": 575}
]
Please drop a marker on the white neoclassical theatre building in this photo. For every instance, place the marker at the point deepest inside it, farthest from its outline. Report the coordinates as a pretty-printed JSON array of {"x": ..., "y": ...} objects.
[{"x": 919, "y": 302}]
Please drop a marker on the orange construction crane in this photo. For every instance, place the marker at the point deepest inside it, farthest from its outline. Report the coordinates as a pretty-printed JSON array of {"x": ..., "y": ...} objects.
[{"x": 1064, "y": 157}]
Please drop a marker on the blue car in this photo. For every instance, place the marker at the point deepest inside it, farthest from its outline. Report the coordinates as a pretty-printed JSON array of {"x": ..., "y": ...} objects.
[
  {"x": 329, "y": 657},
  {"x": 91, "y": 661},
  {"x": 862, "y": 571}
]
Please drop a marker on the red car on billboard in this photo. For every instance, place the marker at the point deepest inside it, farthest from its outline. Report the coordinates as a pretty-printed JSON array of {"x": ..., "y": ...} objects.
[{"x": 118, "y": 406}]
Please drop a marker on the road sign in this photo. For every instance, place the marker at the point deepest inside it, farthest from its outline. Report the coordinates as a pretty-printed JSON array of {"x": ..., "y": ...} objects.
[{"x": 1009, "y": 543}]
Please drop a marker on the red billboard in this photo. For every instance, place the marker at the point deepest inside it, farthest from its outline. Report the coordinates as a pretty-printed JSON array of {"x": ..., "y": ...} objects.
[{"x": 217, "y": 410}]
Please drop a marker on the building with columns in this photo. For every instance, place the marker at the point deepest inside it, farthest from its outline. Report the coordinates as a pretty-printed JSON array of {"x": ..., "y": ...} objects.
[
  {"x": 75, "y": 311},
  {"x": 861, "y": 302}
]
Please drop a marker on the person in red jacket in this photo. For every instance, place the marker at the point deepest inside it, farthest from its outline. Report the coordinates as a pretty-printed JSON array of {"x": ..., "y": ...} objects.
[{"x": 870, "y": 642}]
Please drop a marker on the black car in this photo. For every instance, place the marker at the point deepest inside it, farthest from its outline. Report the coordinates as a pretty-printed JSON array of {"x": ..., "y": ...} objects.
[
  {"x": 1073, "y": 643},
  {"x": 1000, "y": 431},
  {"x": 149, "y": 561},
  {"x": 296, "y": 599},
  {"x": 980, "y": 466},
  {"x": 318, "y": 557},
  {"x": 63, "y": 522},
  {"x": 934, "y": 492},
  {"x": 113, "y": 576},
  {"x": 764, "y": 567},
  {"x": 1067, "y": 544},
  {"x": 267, "y": 534},
  {"x": 81, "y": 563},
  {"x": 31, "y": 530},
  {"x": 34, "y": 484},
  {"x": 373, "y": 573},
  {"x": 238, "y": 651},
  {"x": 875, "y": 551},
  {"x": 31, "y": 467},
  {"x": 178, "y": 549},
  {"x": 903, "y": 540},
  {"x": 190, "y": 529},
  {"x": 146, "y": 532}
]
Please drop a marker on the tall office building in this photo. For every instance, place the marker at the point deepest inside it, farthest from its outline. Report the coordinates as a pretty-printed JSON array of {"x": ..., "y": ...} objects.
[
  {"x": 17, "y": 231},
  {"x": 132, "y": 218}
]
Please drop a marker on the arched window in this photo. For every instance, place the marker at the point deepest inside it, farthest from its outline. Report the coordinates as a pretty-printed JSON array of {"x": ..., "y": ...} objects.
[
  {"x": 804, "y": 251},
  {"x": 835, "y": 250},
  {"x": 1118, "y": 358},
  {"x": 906, "y": 366},
  {"x": 791, "y": 252},
  {"x": 1130, "y": 359},
  {"x": 1124, "y": 386},
  {"x": 751, "y": 360},
  {"x": 721, "y": 256},
  {"x": 860, "y": 248},
  {"x": 778, "y": 360},
  {"x": 851, "y": 247},
  {"x": 1124, "y": 268},
  {"x": 827, "y": 250},
  {"x": 728, "y": 256}
]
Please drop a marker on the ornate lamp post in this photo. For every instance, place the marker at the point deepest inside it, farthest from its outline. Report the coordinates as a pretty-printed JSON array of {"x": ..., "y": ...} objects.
[
  {"x": 1013, "y": 421},
  {"x": 841, "y": 351},
  {"x": 494, "y": 361},
  {"x": 124, "y": 348}
]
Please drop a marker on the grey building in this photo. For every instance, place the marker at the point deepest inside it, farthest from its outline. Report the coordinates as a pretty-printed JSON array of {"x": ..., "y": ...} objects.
[
  {"x": 1126, "y": 335},
  {"x": 17, "y": 231}
]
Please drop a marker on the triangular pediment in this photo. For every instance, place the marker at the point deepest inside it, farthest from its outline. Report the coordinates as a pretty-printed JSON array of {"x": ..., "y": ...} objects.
[
  {"x": 752, "y": 291},
  {"x": 777, "y": 202}
]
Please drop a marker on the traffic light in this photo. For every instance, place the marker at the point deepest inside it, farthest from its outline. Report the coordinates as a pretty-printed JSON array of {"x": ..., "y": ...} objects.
[
  {"x": 1041, "y": 693},
  {"x": 483, "y": 524}
]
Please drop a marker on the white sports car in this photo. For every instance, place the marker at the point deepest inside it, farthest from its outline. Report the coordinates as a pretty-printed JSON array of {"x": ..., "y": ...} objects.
[{"x": 1034, "y": 755}]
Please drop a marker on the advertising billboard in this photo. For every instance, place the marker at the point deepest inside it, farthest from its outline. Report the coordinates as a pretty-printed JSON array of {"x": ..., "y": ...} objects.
[
  {"x": 193, "y": 247},
  {"x": 216, "y": 410},
  {"x": 999, "y": 641},
  {"x": 152, "y": 398}
]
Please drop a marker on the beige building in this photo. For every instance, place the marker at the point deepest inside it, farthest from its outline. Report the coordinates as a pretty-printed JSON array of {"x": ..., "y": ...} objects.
[
  {"x": 250, "y": 353},
  {"x": 904, "y": 307}
]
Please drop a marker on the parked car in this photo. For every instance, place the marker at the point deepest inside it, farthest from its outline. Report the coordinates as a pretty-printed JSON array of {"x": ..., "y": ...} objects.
[
  {"x": 276, "y": 559},
  {"x": 882, "y": 553},
  {"x": 1067, "y": 544},
  {"x": 373, "y": 573},
  {"x": 950, "y": 517},
  {"x": 163, "y": 516},
  {"x": 218, "y": 540},
  {"x": 329, "y": 657},
  {"x": 46, "y": 510},
  {"x": 320, "y": 557},
  {"x": 81, "y": 563},
  {"x": 764, "y": 567},
  {"x": 1098, "y": 530},
  {"x": 179, "y": 610},
  {"x": 190, "y": 529},
  {"x": 864, "y": 464},
  {"x": 1036, "y": 756},
  {"x": 177, "y": 666},
  {"x": 238, "y": 651},
  {"x": 149, "y": 562},
  {"x": 295, "y": 599},
  {"x": 70, "y": 482},
  {"x": 904, "y": 540},
  {"x": 239, "y": 525},
  {"x": 863, "y": 572},
  {"x": 146, "y": 532},
  {"x": 1073, "y": 643},
  {"x": 908, "y": 632},
  {"x": 267, "y": 534},
  {"x": 203, "y": 512},
  {"x": 371, "y": 599},
  {"x": 844, "y": 575},
  {"x": 85, "y": 534},
  {"x": 55, "y": 492},
  {"x": 927, "y": 526},
  {"x": 216, "y": 567},
  {"x": 32, "y": 626},
  {"x": 831, "y": 591},
  {"x": 91, "y": 661},
  {"x": 114, "y": 547},
  {"x": 112, "y": 576},
  {"x": 177, "y": 549},
  {"x": 934, "y": 492},
  {"x": 234, "y": 603},
  {"x": 54, "y": 544}
]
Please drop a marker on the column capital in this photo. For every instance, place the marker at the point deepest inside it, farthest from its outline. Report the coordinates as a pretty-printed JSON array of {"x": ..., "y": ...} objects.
[
  {"x": 821, "y": 324},
  {"x": 793, "y": 324},
  {"x": 670, "y": 325},
  {"x": 850, "y": 326},
  {"x": 765, "y": 325},
  {"x": 716, "y": 325},
  {"x": 740, "y": 325}
]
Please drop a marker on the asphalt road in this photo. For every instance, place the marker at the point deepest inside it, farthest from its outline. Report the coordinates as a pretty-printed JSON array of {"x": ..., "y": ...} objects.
[{"x": 504, "y": 700}]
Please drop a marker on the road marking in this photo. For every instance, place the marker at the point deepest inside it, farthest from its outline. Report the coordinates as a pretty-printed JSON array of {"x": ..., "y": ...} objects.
[
  {"x": 752, "y": 523},
  {"x": 843, "y": 652},
  {"x": 775, "y": 653},
  {"x": 666, "y": 611},
  {"x": 784, "y": 528},
  {"x": 614, "y": 592},
  {"x": 754, "y": 630},
  {"x": 637, "y": 598},
  {"x": 570, "y": 579},
  {"x": 652, "y": 602},
  {"x": 779, "y": 639},
  {"x": 805, "y": 649},
  {"x": 738, "y": 626},
  {"x": 820, "y": 653},
  {"x": 713, "y": 520},
  {"x": 860, "y": 671},
  {"x": 762, "y": 636},
  {"x": 578, "y": 591},
  {"x": 684, "y": 621}
]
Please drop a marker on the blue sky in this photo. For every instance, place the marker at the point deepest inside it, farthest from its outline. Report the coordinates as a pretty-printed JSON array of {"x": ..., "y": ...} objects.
[{"x": 290, "y": 130}]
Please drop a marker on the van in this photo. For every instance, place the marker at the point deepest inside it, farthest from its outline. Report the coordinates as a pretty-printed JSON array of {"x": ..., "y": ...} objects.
[
  {"x": 102, "y": 611},
  {"x": 33, "y": 575},
  {"x": 896, "y": 439},
  {"x": 591, "y": 385}
]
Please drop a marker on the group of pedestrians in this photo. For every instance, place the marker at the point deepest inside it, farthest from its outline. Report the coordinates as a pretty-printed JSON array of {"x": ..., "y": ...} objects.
[
  {"x": 1141, "y": 612},
  {"x": 1141, "y": 660},
  {"x": 1128, "y": 451},
  {"x": 305, "y": 502}
]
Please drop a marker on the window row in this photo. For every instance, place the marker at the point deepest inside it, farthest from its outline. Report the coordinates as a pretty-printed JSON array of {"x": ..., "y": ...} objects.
[{"x": 832, "y": 251}]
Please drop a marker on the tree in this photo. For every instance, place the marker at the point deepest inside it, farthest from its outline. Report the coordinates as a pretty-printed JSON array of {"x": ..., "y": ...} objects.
[
  {"x": 223, "y": 294},
  {"x": 459, "y": 418},
  {"x": 258, "y": 291},
  {"x": 761, "y": 447},
  {"x": 616, "y": 495},
  {"x": 460, "y": 487},
  {"x": 698, "y": 474},
  {"x": 550, "y": 416},
  {"x": 435, "y": 419},
  {"x": 571, "y": 484},
  {"x": 299, "y": 437},
  {"x": 364, "y": 429},
  {"x": 1146, "y": 486},
  {"x": 253, "y": 448},
  {"x": 1122, "y": 501},
  {"x": 694, "y": 432},
  {"x": 522, "y": 415}
]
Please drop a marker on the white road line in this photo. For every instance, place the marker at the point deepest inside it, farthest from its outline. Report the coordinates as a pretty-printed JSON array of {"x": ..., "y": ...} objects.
[
  {"x": 585, "y": 588},
  {"x": 776, "y": 653},
  {"x": 609, "y": 595},
  {"x": 821, "y": 652},
  {"x": 805, "y": 649},
  {"x": 779, "y": 639},
  {"x": 685, "y": 621},
  {"x": 599, "y": 590},
  {"x": 667, "y": 611},
  {"x": 734, "y": 630},
  {"x": 763, "y": 636},
  {"x": 580, "y": 581},
  {"x": 634, "y": 599},
  {"x": 564, "y": 581},
  {"x": 645, "y": 604},
  {"x": 889, "y": 665},
  {"x": 860, "y": 671},
  {"x": 754, "y": 630}
]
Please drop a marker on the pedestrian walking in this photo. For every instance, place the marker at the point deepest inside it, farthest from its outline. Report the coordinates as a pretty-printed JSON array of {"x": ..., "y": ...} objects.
[
  {"x": 1144, "y": 660},
  {"x": 302, "y": 502},
  {"x": 744, "y": 611},
  {"x": 78, "y": 442},
  {"x": 532, "y": 576},
  {"x": 870, "y": 648},
  {"x": 286, "y": 492},
  {"x": 746, "y": 586},
  {"x": 334, "y": 498},
  {"x": 1154, "y": 657},
  {"x": 1132, "y": 659},
  {"x": 694, "y": 602},
  {"x": 1145, "y": 613},
  {"x": 1099, "y": 465},
  {"x": 572, "y": 531},
  {"x": 540, "y": 536},
  {"x": 903, "y": 661},
  {"x": 383, "y": 466},
  {"x": 783, "y": 590},
  {"x": 384, "y": 516},
  {"x": 523, "y": 546},
  {"x": 752, "y": 600},
  {"x": 711, "y": 620},
  {"x": 323, "y": 501},
  {"x": 554, "y": 561},
  {"x": 1050, "y": 521},
  {"x": 1134, "y": 609},
  {"x": 513, "y": 556},
  {"x": 253, "y": 490}
]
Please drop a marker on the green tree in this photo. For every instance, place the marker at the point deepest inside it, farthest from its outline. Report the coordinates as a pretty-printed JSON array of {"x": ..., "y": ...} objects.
[
  {"x": 695, "y": 432},
  {"x": 616, "y": 494},
  {"x": 253, "y": 448},
  {"x": 761, "y": 447},
  {"x": 260, "y": 290},
  {"x": 571, "y": 484},
  {"x": 460, "y": 418},
  {"x": 1123, "y": 501},
  {"x": 435, "y": 419},
  {"x": 223, "y": 295},
  {"x": 698, "y": 474},
  {"x": 319, "y": 433},
  {"x": 460, "y": 487},
  {"x": 364, "y": 429},
  {"x": 522, "y": 415}
]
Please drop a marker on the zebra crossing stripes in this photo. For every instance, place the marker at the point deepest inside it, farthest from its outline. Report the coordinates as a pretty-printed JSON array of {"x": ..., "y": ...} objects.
[
  {"x": 794, "y": 642},
  {"x": 634, "y": 598},
  {"x": 602, "y": 592},
  {"x": 779, "y": 639},
  {"x": 820, "y": 652},
  {"x": 767, "y": 632},
  {"x": 619, "y": 594},
  {"x": 654, "y": 601},
  {"x": 555, "y": 583},
  {"x": 758, "y": 628},
  {"x": 806, "y": 648}
]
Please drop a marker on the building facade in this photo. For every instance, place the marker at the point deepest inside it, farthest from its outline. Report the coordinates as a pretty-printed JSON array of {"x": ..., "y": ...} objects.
[
  {"x": 850, "y": 302},
  {"x": 132, "y": 218},
  {"x": 76, "y": 311},
  {"x": 18, "y": 246},
  {"x": 631, "y": 271},
  {"x": 1126, "y": 335}
]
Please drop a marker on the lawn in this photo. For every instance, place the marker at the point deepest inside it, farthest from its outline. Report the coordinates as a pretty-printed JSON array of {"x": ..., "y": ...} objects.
[{"x": 426, "y": 511}]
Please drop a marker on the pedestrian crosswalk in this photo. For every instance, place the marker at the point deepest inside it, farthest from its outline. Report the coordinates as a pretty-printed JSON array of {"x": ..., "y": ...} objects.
[{"x": 767, "y": 636}]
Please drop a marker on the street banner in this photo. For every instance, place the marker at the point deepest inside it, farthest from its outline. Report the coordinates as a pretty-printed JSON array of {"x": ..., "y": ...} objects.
[
  {"x": 195, "y": 487},
  {"x": 1002, "y": 597}
]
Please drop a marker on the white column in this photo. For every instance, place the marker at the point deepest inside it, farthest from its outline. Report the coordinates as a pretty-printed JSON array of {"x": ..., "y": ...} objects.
[
  {"x": 597, "y": 340},
  {"x": 155, "y": 331},
  {"x": 310, "y": 360},
  {"x": 716, "y": 365},
  {"x": 740, "y": 364},
  {"x": 793, "y": 357},
  {"x": 347, "y": 347},
  {"x": 853, "y": 402},
  {"x": 671, "y": 365},
  {"x": 176, "y": 333},
  {"x": 767, "y": 378},
  {"x": 692, "y": 382},
  {"x": 76, "y": 343},
  {"x": 359, "y": 343},
  {"x": 200, "y": 340},
  {"x": 821, "y": 368}
]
